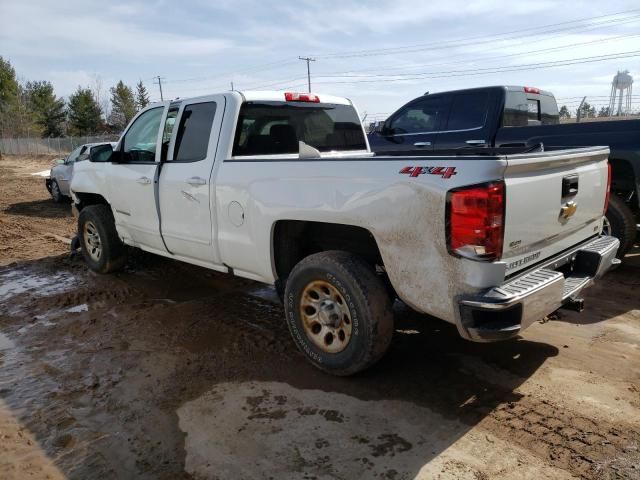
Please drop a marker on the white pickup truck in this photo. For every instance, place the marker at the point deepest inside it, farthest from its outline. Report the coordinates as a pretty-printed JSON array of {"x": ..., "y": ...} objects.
[{"x": 281, "y": 188}]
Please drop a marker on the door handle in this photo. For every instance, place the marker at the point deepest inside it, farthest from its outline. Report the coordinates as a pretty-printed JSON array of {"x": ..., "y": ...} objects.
[
  {"x": 476, "y": 142},
  {"x": 422, "y": 144},
  {"x": 196, "y": 181},
  {"x": 144, "y": 180}
]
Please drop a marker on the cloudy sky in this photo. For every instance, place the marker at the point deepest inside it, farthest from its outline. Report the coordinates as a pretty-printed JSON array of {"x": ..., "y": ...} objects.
[{"x": 379, "y": 53}]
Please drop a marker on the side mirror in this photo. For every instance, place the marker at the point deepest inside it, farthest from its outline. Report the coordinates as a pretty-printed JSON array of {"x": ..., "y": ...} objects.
[
  {"x": 382, "y": 128},
  {"x": 101, "y": 153}
]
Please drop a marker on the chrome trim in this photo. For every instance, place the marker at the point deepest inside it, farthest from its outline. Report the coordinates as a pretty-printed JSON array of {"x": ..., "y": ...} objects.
[
  {"x": 437, "y": 131},
  {"x": 540, "y": 290},
  {"x": 422, "y": 144},
  {"x": 476, "y": 142}
]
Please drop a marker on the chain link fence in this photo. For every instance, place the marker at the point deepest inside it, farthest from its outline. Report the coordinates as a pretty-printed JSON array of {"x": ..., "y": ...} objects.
[{"x": 49, "y": 146}]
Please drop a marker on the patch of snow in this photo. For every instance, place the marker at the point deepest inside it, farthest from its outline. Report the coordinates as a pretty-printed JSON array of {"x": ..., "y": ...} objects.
[
  {"x": 15, "y": 282},
  {"x": 78, "y": 308},
  {"x": 6, "y": 343},
  {"x": 43, "y": 173}
]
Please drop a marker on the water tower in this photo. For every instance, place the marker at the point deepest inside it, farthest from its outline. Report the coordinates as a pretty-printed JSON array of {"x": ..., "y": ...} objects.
[{"x": 621, "y": 87}]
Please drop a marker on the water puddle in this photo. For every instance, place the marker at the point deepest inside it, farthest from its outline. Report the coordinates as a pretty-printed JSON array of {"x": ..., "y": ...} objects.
[{"x": 265, "y": 292}]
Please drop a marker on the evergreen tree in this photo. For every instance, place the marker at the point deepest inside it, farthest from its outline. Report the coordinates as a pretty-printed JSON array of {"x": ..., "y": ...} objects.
[
  {"x": 84, "y": 112},
  {"x": 142, "y": 96},
  {"x": 604, "y": 112},
  {"x": 9, "y": 96},
  {"x": 587, "y": 110},
  {"x": 564, "y": 112},
  {"x": 123, "y": 106},
  {"x": 47, "y": 111}
]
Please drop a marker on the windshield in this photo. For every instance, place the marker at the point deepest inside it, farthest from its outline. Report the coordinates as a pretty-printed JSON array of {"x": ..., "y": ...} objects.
[{"x": 267, "y": 128}]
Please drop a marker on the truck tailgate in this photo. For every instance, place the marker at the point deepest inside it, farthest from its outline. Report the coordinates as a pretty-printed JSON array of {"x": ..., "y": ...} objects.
[{"x": 554, "y": 200}]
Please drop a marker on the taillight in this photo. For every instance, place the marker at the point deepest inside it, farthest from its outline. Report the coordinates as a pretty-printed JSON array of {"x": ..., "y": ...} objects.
[
  {"x": 301, "y": 97},
  {"x": 531, "y": 90},
  {"x": 476, "y": 221},
  {"x": 608, "y": 194}
]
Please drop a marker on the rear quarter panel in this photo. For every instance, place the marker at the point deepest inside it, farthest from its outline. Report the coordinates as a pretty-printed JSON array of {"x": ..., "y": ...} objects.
[{"x": 405, "y": 214}]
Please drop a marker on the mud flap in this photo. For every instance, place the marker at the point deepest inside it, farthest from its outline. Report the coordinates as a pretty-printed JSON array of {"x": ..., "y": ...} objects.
[{"x": 75, "y": 244}]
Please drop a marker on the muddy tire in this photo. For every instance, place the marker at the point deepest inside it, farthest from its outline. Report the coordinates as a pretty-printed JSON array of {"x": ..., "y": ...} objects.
[
  {"x": 56, "y": 194},
  {"x": 621, "y": 224},
  {"x": 101, "y": 248},
  {"x": 338, "y": 312}
]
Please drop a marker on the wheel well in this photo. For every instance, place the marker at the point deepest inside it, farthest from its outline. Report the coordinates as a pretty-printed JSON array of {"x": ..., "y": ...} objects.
[
  {"x": 294, "y": 240},
  {"x": 86, "y": 199},
  {"x": 623, "y": 181}
]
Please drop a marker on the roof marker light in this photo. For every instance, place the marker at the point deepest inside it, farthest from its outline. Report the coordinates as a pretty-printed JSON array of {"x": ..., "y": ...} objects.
[{"x": 301, "y": 97}]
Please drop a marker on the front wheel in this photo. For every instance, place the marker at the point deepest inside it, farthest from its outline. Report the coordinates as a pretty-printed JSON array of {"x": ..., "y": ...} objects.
[
  {"x": 338, "y": 312},
  {"x": 620, "y": 222},
  {"x": 56, "y": 194},
  {"x": 101, "y": 248}
]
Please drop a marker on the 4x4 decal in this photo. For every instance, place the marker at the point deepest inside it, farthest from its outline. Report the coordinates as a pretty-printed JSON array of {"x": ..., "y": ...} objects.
[{"x": 444, "y": 172}]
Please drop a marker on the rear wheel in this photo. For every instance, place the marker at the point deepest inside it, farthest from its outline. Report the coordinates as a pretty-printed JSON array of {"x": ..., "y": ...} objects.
[
  {"x": 338, "y": 312},
  {"x": 101, "y": 248},
  {"x": 620, "y": 222}
]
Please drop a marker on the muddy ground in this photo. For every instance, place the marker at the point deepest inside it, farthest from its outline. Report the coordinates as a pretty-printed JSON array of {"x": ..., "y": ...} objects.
[{"x": 170, "y": 371}]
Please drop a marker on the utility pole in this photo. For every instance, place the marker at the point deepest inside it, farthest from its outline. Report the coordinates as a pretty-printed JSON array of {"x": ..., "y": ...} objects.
[
  {"x": 160, "y": 85},
  {"x": 232, "y": 86},
  {"x": 578, "y": 113},
  {"x": 308, "y": 59}
]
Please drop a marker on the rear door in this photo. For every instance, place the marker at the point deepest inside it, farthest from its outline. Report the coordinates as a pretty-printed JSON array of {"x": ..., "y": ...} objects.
[
  {"x": 414, "y": 128},
  {"x": 132, "y": 179},
  {"x": 186, "y": 199},
  {"x": 467, "y": 125}
]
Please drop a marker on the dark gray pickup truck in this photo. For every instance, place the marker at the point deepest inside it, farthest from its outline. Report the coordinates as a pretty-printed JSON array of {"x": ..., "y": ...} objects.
[{"x": 492, "y": 119}]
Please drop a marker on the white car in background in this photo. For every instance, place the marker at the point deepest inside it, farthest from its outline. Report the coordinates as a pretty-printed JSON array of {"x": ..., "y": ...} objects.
[{"x": 60, "y": 177}]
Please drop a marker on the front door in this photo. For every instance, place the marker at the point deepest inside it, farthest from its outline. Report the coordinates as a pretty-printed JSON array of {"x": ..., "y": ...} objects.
[
  {"x": 413, "y": 129},
  {"x": 132, "y": 179},
  {"x": 185, "y": 185}
]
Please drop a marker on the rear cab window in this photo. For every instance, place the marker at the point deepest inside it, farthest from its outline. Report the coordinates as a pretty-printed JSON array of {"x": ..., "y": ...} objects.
[
  {"x": 527, "y": 109},
  {"x": 274, "y": 127}
]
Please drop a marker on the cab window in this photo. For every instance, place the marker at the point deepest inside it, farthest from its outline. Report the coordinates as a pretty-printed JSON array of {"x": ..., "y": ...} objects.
[
  {"x": 468, "y": 111},
  {"x": 139, "y": 143},
  {"x": 194, "y": 131},
  {"x": 73, "y": 156},
  {"x": 422, "y": 116}
]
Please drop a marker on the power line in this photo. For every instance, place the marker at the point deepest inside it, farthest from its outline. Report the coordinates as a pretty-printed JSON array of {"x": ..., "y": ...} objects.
[
  {"x": 484, "y": 59},
  {"x": 484, "y": 71},
  {"x": 267, "y": 66},
  {"x": 485, "y": 38}
]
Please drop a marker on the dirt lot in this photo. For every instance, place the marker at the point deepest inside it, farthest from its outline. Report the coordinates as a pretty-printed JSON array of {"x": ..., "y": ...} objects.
[{"x": 171, "y": 371}]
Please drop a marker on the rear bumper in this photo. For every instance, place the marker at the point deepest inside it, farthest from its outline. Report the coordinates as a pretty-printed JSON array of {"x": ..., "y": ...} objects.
[{"x": 502, "y": 312}]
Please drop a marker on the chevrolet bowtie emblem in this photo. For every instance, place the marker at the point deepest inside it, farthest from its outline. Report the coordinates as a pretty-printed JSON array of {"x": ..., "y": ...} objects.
[{"x": 568, "y": 210}]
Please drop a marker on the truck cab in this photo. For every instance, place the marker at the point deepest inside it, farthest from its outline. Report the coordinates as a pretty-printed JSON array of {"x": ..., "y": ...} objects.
[{"x": 449, "y": 122}]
